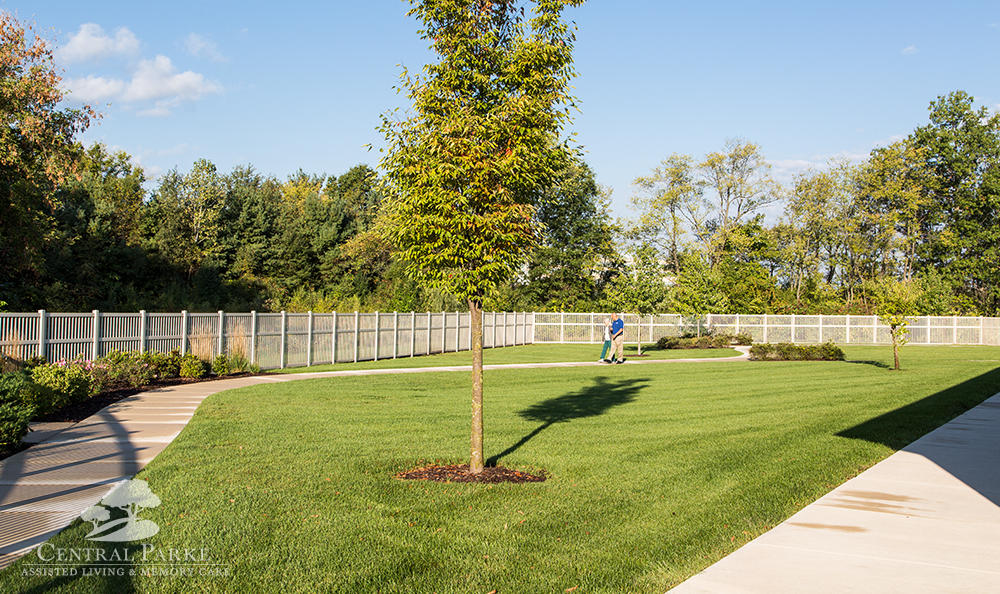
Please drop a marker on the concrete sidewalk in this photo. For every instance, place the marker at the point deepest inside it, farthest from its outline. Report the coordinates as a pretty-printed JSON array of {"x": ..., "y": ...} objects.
[
  {"x": 74, "y": 465},
  {"x": 925, "y": 519}
]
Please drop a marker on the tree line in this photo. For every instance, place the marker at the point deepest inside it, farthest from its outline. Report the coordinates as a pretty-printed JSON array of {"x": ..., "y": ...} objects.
[{"x": 84, "y": 228}]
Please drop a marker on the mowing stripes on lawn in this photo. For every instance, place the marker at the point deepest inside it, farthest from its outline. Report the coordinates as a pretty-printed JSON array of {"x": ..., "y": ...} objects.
[{"x": 654, "y": 472}]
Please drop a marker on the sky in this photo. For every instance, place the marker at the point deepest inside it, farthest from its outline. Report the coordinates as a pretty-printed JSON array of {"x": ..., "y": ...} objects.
[{"x": 284, "y": 86}]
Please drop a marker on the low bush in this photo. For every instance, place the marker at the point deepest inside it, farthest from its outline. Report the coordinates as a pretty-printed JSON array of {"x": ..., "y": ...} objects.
[
  {"x": 119, "y": 370},
  {"x": 192, "y": 366},
  {"x": 66, "y": 382},
  {"x": 14, "y": 418},
  {"x": 220, "y": 365},
  {"x": 16, "y": 387},
  {"x": 708, "y": 341},
  {"x": 795, "y": 352}
]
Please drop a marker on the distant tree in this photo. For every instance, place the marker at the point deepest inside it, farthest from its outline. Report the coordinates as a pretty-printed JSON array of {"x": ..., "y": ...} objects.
[
  {"x": 961, "y": 148},
  {"x": 895, "y": 301},
  {"x": 484, "y": 139},
  {"x": 741, "y": 180},
  {"x": 670, "y": 205},
  {"x": 37, "y": 152},
  {"x": 571, "y": 265}
]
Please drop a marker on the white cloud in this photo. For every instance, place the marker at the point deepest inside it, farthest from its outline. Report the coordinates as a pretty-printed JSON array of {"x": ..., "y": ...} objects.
[
  {"x": 909, "y": 50},
  {"x": 94, "y": 88},
  {"x": 157, "y": 79},
  {"x": 90, "y": 42},
  {"x": 201, "y": 47},
  {"x": 153, "y": 80}
]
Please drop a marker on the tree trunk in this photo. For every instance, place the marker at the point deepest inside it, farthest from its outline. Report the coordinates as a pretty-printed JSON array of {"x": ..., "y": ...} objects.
[
  {"x": 895, "y": 350},
  {"x": 476, "y": 440}
]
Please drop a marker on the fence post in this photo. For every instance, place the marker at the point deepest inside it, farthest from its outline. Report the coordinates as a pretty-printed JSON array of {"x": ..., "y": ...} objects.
[
  {"x": 142, "y": 331},
  {"x": 413, "y": 332},
  {"x": 41, "y": 350},
  {"x": 185, "y": 326},
  {"x": 253, "y": 337},
  {"x": 737, "y": 324},
  {"x": 309, "y": 344},
  {"x": 765, "y": 327},
  {"x": 429, "y": 321},
  {"x": 651, "y": 339},
  {"x": 284, "y": 338},
  {"x": 357, "y": 334},
  {"x": 562, "y": 327},
  {"x": 847, "y": 328},
  {"x": 954, "y": 329},
  {"x": 821, "y": 328},
  {"x": 444, "y": 332},
  {"x": 494, "y": 343},
  {"x": 793, "y": 329},
  {"x": 377, "y": 323},
  {"x": 981, "y": 330},
  {"x": 95, "y": 343},
  {"x": 222, "y": 331},
  {"x": 532, "y": 327},
  {"x": 395, "y": 334},
  {"x": 458, "y": 331},
  {"x": 333, "y": 341},
  {"x": 470, "y": 329}
]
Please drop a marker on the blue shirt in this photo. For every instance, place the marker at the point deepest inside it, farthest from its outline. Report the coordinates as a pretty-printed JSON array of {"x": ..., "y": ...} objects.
[{"x": 617, "y": 326}]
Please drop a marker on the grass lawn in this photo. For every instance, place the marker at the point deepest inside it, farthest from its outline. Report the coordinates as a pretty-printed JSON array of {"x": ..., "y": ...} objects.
[
  {"x": 656, "y": 472},
  {"x": 532, "y": 353}
]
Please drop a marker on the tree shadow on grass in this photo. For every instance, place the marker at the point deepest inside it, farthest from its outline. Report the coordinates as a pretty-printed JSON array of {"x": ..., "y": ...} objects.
[
  {"x": 878, "y": 364},
  {"x": 961, "y": 448},
  {"x": 590, "y": 401}
]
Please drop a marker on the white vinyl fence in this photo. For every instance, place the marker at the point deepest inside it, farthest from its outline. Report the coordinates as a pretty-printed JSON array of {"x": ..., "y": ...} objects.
[
  {"x": 588, "y": 328},
  {"x": 271, "y": 340}
]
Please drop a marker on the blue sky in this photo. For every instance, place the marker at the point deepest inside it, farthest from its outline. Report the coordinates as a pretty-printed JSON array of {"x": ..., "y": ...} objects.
[{"x": 301, "y": 84}]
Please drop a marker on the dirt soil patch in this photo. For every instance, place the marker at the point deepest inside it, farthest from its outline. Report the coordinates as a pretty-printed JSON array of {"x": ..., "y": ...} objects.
[{"x": 459, "y": 473}]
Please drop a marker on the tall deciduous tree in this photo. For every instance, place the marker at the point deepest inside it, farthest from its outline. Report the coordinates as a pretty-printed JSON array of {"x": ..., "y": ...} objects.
[
  {"x": 37, "y": 150},
  {"x": 670, "y": 204},
  {"x": 483, "y": 141}
]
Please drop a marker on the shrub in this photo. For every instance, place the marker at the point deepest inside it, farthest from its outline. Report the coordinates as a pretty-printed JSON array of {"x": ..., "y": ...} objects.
[
  {"x": 16, "y": 388},
  {"x": 793, "y": 352},
  {"x": 192, "y": 366},
  {"x": 14, "y": 418},
  {"x": 68, "y": 382},
  {"x": 119, "y": 370},
  {"x": 707, "y": 341},
  {"x": 220, "y": 365}
]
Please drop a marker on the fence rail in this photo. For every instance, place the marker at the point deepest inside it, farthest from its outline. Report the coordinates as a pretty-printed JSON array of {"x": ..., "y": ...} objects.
[
  {"x": 271, "y": 340},
  {"x": 804, "y": 329}
]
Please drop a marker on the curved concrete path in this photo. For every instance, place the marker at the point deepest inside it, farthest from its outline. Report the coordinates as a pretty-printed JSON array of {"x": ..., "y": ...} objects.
[{"x": 74, "y": 465}]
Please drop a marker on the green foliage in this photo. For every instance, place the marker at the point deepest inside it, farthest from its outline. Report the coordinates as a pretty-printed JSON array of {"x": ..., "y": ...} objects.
[
  {"x": 706, "y": 341},
  {"x": 14, "y": 418},
  {"x": 118, "y": 370},
  {"x": 66, "y": 382},
  {"x": 484, "y": 139},
  {"x": 220, "y": 365},
  {"x": 193, "y": 367},
  {"x": 794, "y": 352}
]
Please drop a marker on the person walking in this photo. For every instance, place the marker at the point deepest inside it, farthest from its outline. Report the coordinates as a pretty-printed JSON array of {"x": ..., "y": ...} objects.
[
  {"x": 617, "y": 339},
  {"x": 607, "y": 341}
]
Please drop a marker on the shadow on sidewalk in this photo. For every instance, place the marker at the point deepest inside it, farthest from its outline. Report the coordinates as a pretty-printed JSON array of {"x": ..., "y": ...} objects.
[{"x": 968, "y": 449}]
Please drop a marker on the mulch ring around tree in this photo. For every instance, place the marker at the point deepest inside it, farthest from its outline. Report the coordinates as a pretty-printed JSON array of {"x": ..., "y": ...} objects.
[{"x": 459, "y": 473}]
